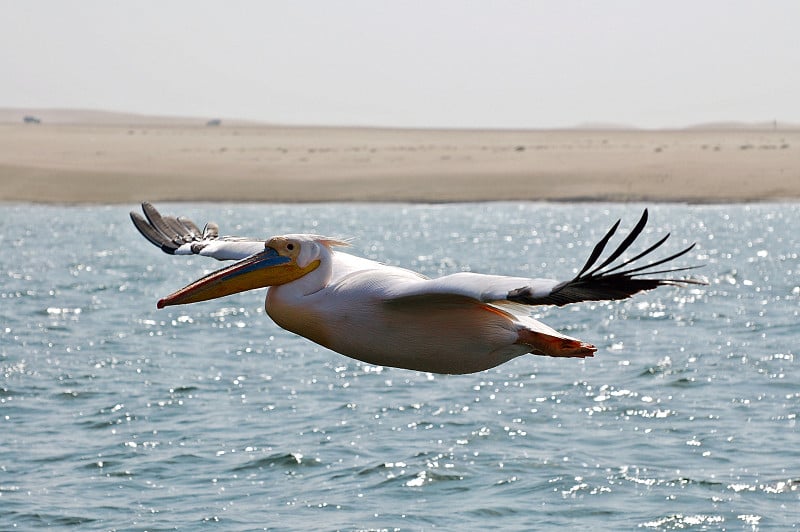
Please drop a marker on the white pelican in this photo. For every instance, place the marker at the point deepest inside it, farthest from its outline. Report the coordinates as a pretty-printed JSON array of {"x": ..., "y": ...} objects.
[{"x": 389, "y": 316}]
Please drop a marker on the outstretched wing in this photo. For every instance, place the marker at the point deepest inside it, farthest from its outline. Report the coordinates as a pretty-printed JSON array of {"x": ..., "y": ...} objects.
[
  {"x": 595, "y": 282},
  {"x": 180, "y": 236},
  {"x": 607, "y": 280}
]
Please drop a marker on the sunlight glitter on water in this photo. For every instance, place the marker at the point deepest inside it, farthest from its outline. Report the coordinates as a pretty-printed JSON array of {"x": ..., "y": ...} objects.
[{"x": 212, "y": 414}]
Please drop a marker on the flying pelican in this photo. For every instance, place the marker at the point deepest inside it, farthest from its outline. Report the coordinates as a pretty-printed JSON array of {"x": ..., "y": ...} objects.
[{"x": 390, "y": 316}]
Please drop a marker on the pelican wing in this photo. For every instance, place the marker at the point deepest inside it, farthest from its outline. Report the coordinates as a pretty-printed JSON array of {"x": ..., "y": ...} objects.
[
  {"x": 180, "y": 236},
  {"x": 610, "y": 279}
]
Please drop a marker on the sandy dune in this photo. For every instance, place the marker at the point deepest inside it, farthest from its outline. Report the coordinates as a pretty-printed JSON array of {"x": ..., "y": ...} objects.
[{"x": 125, "y": 161}]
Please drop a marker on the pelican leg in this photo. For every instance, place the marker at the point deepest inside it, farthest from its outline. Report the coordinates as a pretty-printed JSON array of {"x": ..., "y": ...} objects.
[{"x": 555, "y": 346}]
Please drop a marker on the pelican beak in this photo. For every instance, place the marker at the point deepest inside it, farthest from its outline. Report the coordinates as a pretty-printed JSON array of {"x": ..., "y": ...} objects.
[{"x": 267, "y": 268}]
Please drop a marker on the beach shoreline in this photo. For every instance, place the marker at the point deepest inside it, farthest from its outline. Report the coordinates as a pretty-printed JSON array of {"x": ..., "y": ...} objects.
[{"x": 115, "y": 163}]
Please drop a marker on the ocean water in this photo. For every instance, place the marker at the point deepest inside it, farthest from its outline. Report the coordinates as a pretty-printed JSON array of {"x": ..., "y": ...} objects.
[{"x": 117, "y": 416}]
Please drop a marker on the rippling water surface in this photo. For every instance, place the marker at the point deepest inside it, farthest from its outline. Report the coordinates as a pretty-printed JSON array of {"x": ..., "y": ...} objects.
[{"x": 115, "y": 415}]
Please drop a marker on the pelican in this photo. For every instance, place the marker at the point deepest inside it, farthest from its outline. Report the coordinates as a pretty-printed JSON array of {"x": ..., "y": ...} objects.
[{"x": 390, "y": 316}]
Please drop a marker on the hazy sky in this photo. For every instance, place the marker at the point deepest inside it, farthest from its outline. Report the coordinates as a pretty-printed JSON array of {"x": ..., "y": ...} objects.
[{"x": 424, "y": 63}]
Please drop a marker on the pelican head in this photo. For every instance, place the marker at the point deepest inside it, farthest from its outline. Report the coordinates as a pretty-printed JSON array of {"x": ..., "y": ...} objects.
[{"x": 284, "y": 259}]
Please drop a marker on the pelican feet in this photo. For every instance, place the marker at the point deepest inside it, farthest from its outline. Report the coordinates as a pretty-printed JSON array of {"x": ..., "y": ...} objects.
[{"x": 555, "y": 346}]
